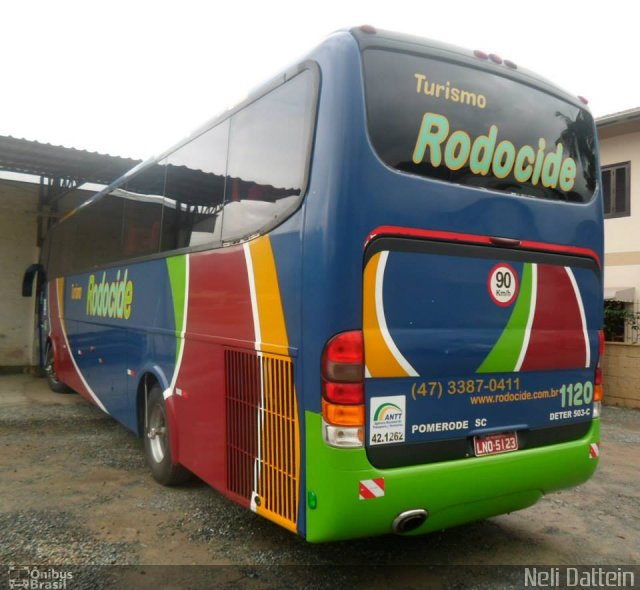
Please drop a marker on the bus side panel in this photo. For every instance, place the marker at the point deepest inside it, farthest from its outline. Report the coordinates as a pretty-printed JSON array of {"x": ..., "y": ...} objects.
[
  {"x": 60, "y": 325},
  {"x": 286, "y": 243},
  {"x": 219, "y": 314},
  {"x": 100, "y": 354},
  {"x": 102, "y": 311},
  {"x": 153, "y": 329},
  {"x": 234, "y": 394},
  {"x": 64, "y": 368},
  {"x": 276, "y": 466},
  {"x": 212, "y": 328}
]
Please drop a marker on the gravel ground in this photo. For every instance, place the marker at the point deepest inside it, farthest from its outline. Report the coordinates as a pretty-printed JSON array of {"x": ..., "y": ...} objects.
[{"x": 75, "y": 492}]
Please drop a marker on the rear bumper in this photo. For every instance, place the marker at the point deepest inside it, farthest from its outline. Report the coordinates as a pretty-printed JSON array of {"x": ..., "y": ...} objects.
[{"x": 453, "y": 492}]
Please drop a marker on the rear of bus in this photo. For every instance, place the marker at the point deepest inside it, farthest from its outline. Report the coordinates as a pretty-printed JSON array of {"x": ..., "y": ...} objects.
[{"x": 469, "y": 384}]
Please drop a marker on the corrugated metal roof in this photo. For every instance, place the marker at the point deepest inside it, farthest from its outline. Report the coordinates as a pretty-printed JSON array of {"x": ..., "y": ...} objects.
[
  {"x": 620, "y": 117},
  {"x": 53, "y": 161}
]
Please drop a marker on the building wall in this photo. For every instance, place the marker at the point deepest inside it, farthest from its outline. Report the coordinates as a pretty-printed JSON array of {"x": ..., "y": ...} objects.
[
  {"x": 18, "y": 228},
  {"x": 621, "y": 375},
  {"x": 622, "y": 234}
]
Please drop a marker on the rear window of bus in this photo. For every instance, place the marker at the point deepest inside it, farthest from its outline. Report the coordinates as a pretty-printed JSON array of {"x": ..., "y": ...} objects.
[{"x": 463, "y": 125}]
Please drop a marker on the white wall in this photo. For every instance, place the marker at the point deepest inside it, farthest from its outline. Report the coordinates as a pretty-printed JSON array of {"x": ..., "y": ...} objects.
[
  {"x": 618, "y": 144},
  {"x": 622, "y": 234},
  {"x": 18, "y": 228}
]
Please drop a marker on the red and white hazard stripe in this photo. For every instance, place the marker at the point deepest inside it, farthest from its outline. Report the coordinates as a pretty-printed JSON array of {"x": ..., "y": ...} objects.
[
  {"x": 372, "y": 488},
  {"x": 594, "y": 450}
]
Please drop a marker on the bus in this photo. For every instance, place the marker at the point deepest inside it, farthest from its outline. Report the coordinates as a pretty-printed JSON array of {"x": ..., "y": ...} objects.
[{"x": 365, "y": 300}]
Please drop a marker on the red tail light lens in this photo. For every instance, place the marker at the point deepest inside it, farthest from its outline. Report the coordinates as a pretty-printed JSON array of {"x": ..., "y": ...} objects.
[
  {"x": 343, "y": 358},
  {"x": 346, "y": 347},
  {"x": 344, "y": 393}
]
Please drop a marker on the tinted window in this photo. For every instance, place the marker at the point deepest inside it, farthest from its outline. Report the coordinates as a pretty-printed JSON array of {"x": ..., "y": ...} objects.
[
  {"x": 462, "y": 125},
  {"x": 141, "y": 223},
  {"x": 179, "y": 202},
  {"x": 98, "y": 232},
  {"x": 143, "y": 200},
  {"x": 268, "y": 153},
  {"x": 149, "y": 181},
  {"x": 90, "y": 237},
  {"x": 194, "y": 191}
]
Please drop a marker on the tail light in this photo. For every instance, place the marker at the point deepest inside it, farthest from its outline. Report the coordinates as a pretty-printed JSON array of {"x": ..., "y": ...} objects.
[
  {"x": 343, "y": 415},
  {"x": 343, "y": 390},
  {"x": 597, "y": 396},
  {"x": 343, "y": 358}
]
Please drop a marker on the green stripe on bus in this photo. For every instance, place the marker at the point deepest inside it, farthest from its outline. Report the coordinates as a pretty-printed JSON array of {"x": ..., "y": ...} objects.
[
  {"x": 177, "y": 268},
  {"x": 504, "y": 355},
  {"x": 453, "y": 492}
]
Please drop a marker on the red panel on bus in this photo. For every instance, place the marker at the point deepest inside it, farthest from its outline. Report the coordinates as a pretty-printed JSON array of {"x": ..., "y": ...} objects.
[
  {"x": 219, "y": 296},
  {"x": 220, "y": 305},
  {"x": 65, "y": 369},
  {"x": 557, "y": 324}
]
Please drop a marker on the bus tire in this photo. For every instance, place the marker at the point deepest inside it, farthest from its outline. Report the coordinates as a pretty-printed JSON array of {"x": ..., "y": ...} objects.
[
  {"x": 157, "y": 443},
  {"x": 54, "y": 383}
]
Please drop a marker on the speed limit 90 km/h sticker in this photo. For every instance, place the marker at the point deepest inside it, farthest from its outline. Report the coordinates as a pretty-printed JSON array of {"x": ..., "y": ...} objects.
[{"x": 503, "y": 284}]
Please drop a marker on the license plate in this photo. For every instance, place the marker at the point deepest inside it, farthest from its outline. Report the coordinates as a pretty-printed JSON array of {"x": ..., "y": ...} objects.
[{"x": 493, "y": 444}]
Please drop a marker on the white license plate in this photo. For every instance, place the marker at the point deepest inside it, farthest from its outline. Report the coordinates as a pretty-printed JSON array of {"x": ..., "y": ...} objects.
[{"x": 493, "y": 444}]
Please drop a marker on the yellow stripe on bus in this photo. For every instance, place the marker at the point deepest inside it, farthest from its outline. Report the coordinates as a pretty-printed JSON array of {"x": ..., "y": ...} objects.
[
  {"x": 279, "y": 477},
  {"x": 60, "y": 293},
  {"x": 379, "y": 360},
  {"x": 273, "y": 329}
]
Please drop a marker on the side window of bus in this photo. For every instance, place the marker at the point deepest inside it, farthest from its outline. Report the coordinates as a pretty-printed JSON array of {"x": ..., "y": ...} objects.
[
  {"x": 98, "y": 234},
  {"x": 268, "y": 155},
  {"x": 143, "y": 198},
  {"x": 194, "y": 191}
]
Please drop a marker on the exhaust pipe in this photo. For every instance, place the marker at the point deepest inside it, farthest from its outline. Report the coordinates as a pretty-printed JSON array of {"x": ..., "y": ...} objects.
[{"x": 409, "y": 520}]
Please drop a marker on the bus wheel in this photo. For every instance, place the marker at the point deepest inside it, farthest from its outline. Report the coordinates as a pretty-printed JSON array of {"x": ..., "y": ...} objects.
[
  {"x": 157, "y": 444},
  {"x": 50, "y": 369}
]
